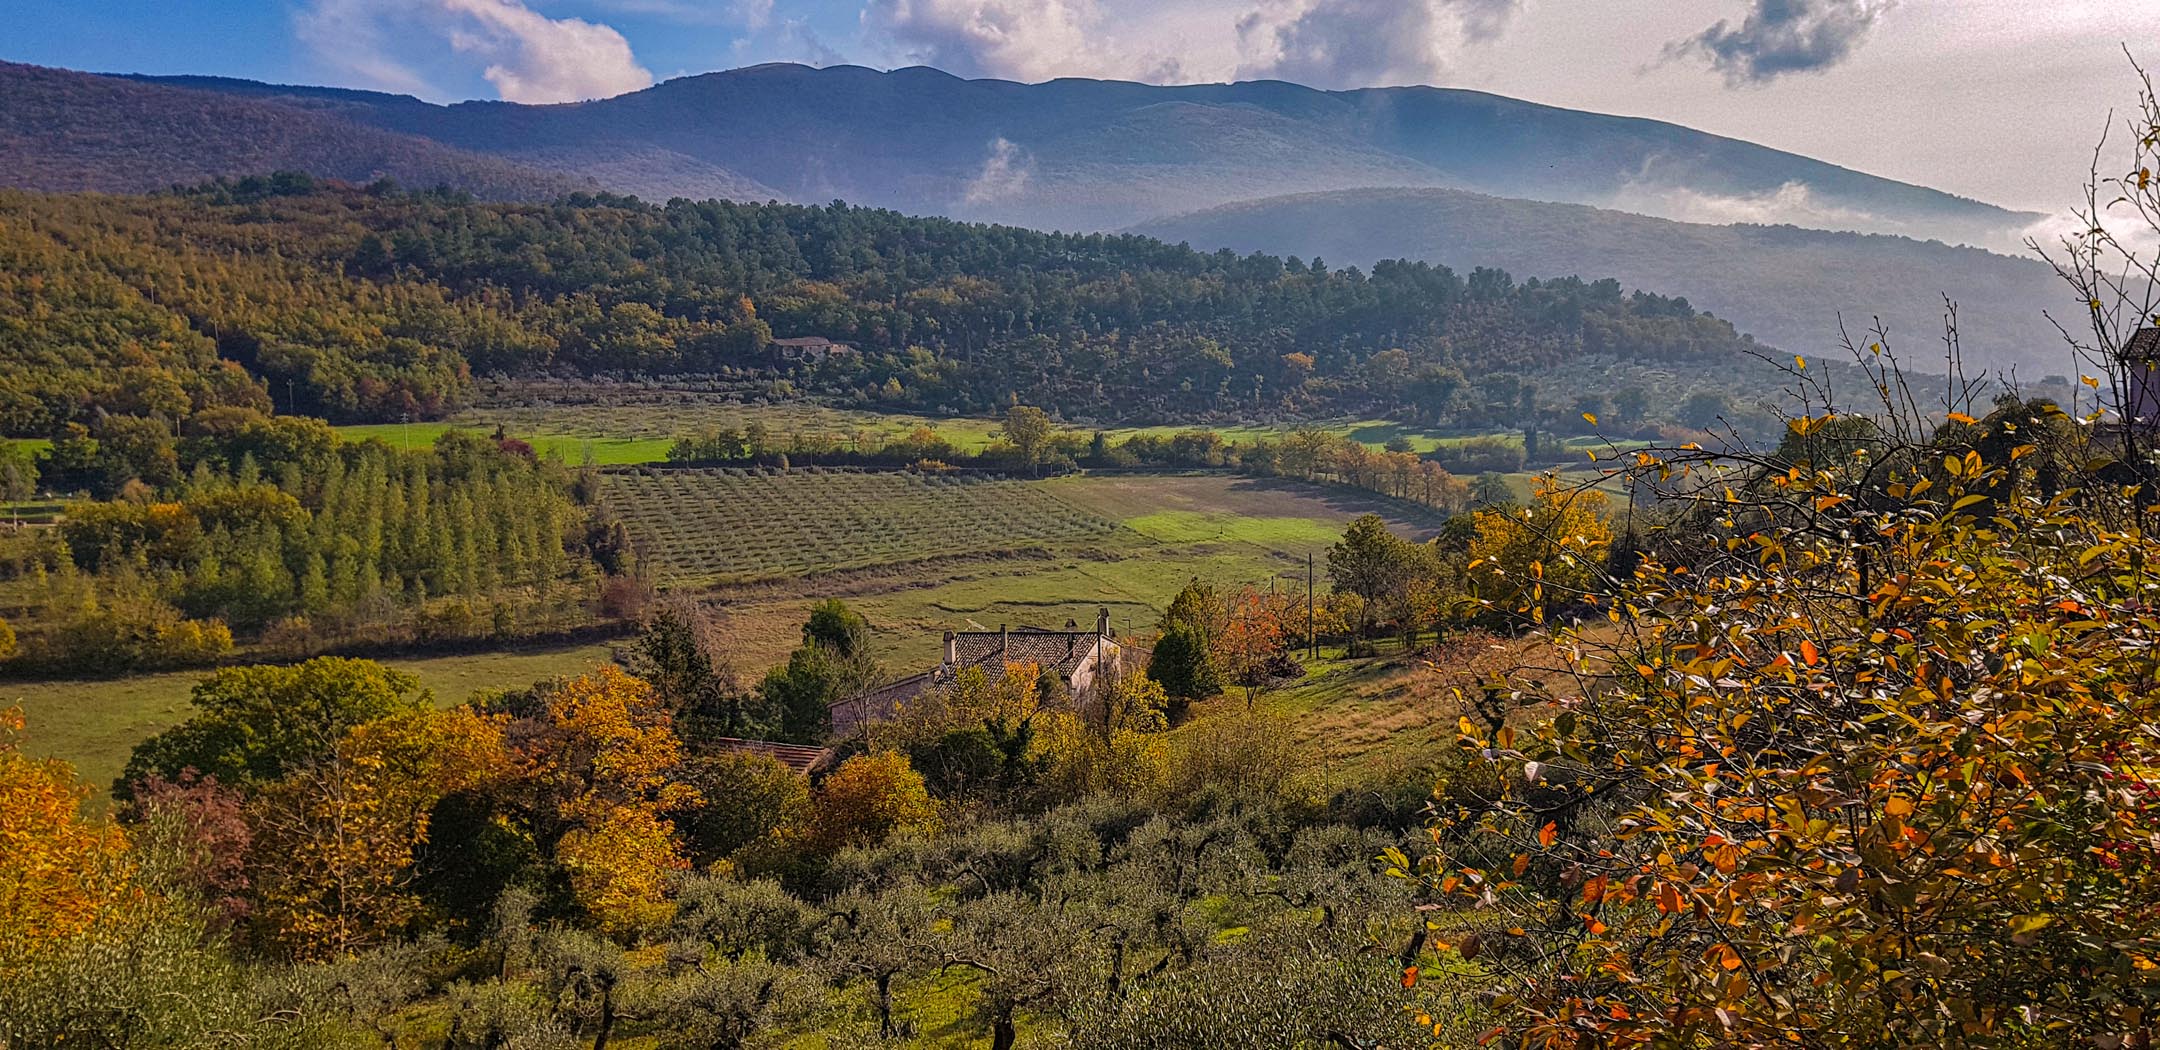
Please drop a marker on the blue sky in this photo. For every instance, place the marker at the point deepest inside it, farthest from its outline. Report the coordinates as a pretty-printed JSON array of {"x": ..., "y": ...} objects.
[{"x": 1996, "y": 99}]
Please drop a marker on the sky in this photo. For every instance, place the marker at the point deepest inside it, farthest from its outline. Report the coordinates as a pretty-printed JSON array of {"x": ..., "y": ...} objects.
[{"x": 2001, "y": 100}]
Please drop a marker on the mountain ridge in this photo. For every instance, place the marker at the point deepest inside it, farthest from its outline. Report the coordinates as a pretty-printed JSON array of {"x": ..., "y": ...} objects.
[
  {"x": 61, "y": 130},
  {"x": 1786, "y": 285},
  {"x": 918, "y": 138}
]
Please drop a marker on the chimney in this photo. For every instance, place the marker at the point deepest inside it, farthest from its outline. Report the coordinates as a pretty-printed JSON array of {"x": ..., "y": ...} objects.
[
  {"x": 952, "y": 649},
  {"x": 1102, "y": 622},
  {"x": 1004, "y": 642}
]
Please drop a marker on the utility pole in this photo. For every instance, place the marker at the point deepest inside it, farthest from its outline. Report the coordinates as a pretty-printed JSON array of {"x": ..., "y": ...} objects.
[{"x": 1312, "y": 641}]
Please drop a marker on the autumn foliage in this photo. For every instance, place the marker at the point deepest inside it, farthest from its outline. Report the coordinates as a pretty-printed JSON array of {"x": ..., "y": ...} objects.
[
  {"x": 1876, "y": 768},
  {"x": 58, "y": 871}
]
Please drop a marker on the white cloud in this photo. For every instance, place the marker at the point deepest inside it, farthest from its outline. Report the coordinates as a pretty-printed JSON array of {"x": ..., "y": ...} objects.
[
  {"x": 1004, "y": 174},
  {"x": 526, "y": 55},
  {"x": 1365, "y": 43},
  {"x": 1779, "y": 37},
  {"x": 1793, "y": 203},
  {"x": 1020, "y": 39},
  {"x": 1326, "y": 43}
]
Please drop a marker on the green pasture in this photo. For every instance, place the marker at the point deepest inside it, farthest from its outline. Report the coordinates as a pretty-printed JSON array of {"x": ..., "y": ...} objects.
[
  {"x": 95, "y": 724},
  {"x": 635, "y": 431},
  {"x": 574, "y": 449}
]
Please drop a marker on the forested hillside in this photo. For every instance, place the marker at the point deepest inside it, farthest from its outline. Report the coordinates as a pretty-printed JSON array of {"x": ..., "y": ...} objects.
[
  {"x": 1788, "y": 286},
  {"x": 378, "y": 304},
  {"x": 63, "y": 130}
]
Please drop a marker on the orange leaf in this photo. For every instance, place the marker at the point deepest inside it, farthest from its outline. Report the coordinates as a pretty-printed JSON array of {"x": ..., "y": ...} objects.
[
  {"x": 1548, "y": 834},
  {"x": 1409, "y": 977},
  {"x": 1809, "y": 653}
]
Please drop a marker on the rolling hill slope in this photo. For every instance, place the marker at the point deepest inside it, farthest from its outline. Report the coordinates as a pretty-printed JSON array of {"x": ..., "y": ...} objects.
[
  {"x": 67, "y": 131},
  {"x": 1787, "y": 286}
]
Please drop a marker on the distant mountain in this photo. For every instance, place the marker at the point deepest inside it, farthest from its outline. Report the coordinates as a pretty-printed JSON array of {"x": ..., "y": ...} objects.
[
  {"x": 1786, "y": 286},
  {"x": 1088, "y": 154},
  {"x": 61, "y": 130}
]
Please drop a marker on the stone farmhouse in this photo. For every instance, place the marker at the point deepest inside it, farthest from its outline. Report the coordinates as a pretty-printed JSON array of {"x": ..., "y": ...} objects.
[{"x": 1079, "y": 657}]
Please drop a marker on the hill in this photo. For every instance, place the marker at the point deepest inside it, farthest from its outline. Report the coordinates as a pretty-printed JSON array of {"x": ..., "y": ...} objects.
[
  {"x": 1088, "y": 154},
  {"x": 67, "y": 131},
  {"x": 1788, "y": 286},
  {"x": 375, "y": 304}
]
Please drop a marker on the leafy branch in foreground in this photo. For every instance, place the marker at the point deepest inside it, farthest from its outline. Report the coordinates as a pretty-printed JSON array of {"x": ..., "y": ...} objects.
[{"x": 1863, "y": 754}]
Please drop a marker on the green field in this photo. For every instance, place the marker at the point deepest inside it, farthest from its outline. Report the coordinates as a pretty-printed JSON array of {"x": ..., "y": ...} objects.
[
  {"x": 94, "y": 724},
  {"x": 574, "y": 449},
  {"x": 639, "y": 429}
]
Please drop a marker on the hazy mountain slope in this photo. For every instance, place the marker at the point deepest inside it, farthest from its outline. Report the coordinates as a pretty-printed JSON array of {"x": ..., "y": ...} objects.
[
  {"x": 62, "y": 130},
  {"x": 1106, "y": 154},
  {"x": 1785, "y": 285}
]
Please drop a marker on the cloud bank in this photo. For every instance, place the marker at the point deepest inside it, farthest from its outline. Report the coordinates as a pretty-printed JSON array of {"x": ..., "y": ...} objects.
[
  {"x": 1324, "y": 43},
  {"x": 1364, "y": 43},
  {"x": 1781, "y": 37},
  {"x": 1015, "y": 39},
  {"x": 526, "y": 55}
]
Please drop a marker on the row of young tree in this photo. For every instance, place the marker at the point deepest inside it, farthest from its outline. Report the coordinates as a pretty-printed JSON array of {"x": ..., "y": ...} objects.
[
  {"x": 274, "y": 529},
  {"x": 372, "y": 304}
]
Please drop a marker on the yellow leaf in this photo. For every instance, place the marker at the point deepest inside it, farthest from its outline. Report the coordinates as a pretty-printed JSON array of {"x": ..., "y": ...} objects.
[
  {"x": 1960, "y": 417},
  {"x": 1898, "y": 806},
  {"x": 1590, "y": 418}
]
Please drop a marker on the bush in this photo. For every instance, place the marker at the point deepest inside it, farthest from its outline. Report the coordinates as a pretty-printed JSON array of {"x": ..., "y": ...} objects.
[{"x": 1184, "y": 667}]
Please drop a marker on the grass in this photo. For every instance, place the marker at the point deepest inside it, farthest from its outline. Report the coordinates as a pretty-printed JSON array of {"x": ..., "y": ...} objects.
[
  {"x": 94, "y": 724},
  {"x": 574, "y": 449},
  {"x": 635, "y": 431},
  {"x": 638, "y": 427}
]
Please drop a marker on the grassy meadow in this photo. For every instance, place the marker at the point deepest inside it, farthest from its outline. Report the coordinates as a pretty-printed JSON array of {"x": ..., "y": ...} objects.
[
  {"x": 94, "y": 724},
  {"x": 632, "y": 430}
]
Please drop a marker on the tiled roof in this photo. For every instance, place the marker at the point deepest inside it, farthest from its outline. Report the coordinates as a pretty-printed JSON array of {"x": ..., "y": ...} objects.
[
  {"x": 801, "y": 759},
  {"x": 1058, "y": 652},
  {"x": 2144, "y": 346},
  {"x": 879, "y": 704}
]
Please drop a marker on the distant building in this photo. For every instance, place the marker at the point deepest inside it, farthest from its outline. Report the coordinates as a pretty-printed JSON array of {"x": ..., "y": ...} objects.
[
  {"x": 1075, "y": 656},
  {"x": 2141, "y": 378},
  {"x": 807, "y": 761},
  {"x": 809, "y": 348}
]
